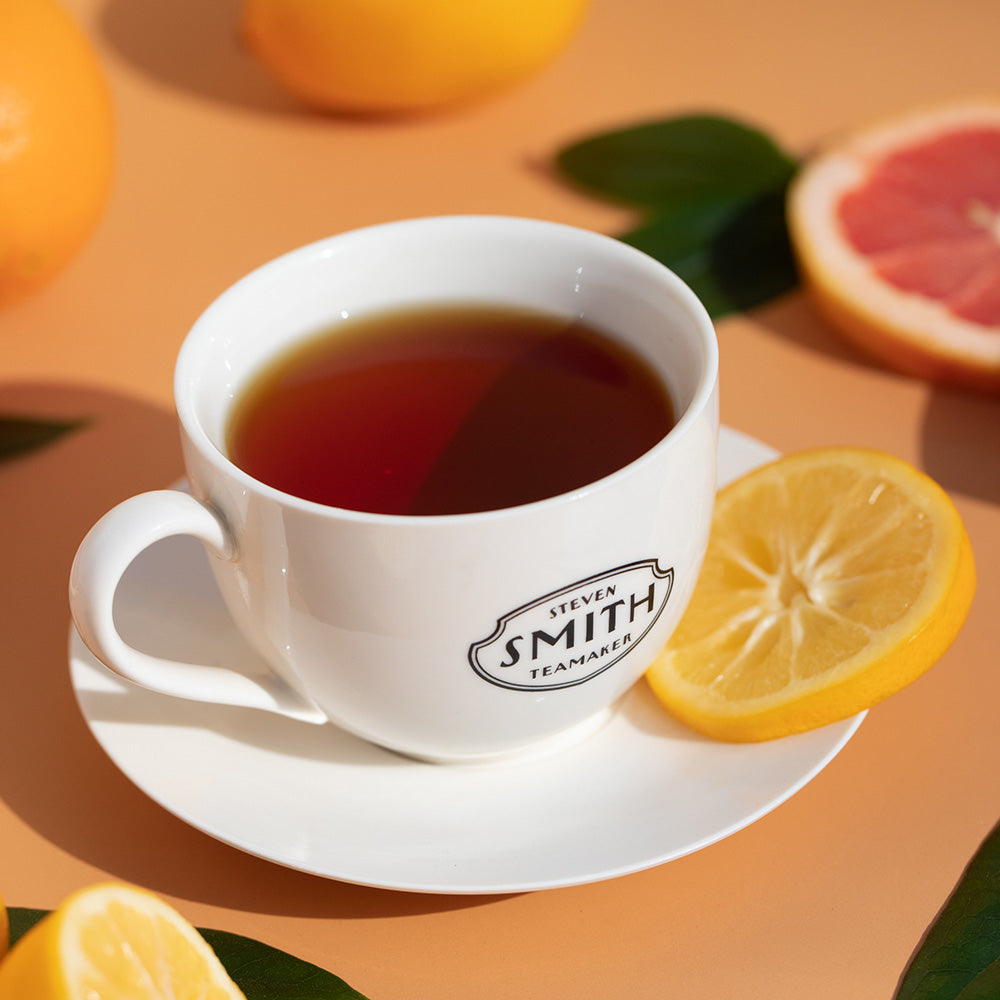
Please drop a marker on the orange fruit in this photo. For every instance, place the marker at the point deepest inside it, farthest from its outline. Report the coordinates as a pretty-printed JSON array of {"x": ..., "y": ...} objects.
[
  {"x": 4, "y": 930},
  {"x": 402, "y": 56},
  {"x": 114, "y": 941},
  {"x": 834, "y": 577},
  {"x": 897, "y": 234},
  {"x": 56, "y": 142}
]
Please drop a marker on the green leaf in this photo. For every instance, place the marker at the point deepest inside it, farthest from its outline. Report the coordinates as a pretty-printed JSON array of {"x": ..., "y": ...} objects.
[
  {"x": 679, "y": 161},
  {"x": 260, "y": 971},
  {"x": 713, "y": 190},
  {"x": 265, "y": 973},
  {"x": 986, "y": 986},
  {"x": 22, "y": 920},
  {"x": 734, "y": 256},
  {"x": 23, "y": 434},
  {"x": 959, "y": 958}
]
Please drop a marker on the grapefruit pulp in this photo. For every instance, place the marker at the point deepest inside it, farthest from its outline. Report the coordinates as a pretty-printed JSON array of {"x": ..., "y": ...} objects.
[{"x": 897, "y": 235}]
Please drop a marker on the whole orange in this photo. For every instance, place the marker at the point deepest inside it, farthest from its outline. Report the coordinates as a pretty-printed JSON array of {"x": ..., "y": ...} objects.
[
  {"x": 56, "y": 142},
  {"x": 403, "y": 56}
]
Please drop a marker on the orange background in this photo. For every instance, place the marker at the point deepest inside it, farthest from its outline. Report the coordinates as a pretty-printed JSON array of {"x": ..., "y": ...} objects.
[{"x": 824, "y": 898}]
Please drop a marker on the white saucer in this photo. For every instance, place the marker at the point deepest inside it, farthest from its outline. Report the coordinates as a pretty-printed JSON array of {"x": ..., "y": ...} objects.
[{"x": 639, "y": 792}]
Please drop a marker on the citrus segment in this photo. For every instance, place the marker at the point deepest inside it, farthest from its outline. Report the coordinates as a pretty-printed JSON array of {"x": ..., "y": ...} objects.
[
  {"x": 117, "y": 943},
  {"x": 897, "y": 235},
  {"x": 929, "y": 221},
  {"x": 833, "y": 578},
  {"x": 56, "y": 142},
  {"x": 400, "y": 56}
]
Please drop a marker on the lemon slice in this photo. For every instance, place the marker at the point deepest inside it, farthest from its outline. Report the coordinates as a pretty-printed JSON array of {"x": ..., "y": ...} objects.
[
  {"x": 833, "y": 578},
  {"x": 114, "y": 942}
]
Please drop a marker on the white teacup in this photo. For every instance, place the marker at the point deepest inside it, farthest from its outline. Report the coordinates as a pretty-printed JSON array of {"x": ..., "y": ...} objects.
[{"x": 442, "y": 637}]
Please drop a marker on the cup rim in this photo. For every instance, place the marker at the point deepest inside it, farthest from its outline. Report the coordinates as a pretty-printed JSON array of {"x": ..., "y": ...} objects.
[{"x": 681, "y": 292}]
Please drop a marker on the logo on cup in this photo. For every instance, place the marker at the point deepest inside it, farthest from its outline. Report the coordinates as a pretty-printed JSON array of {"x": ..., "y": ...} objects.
[{"x": 571, "y": 635}]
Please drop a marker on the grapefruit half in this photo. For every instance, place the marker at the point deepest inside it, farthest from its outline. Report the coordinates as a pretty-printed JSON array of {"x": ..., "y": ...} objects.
[{"x": 896, "y": 232}]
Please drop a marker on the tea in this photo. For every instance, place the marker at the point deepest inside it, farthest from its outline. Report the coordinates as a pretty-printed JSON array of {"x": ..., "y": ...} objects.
[{"x": 447, "y": 410}]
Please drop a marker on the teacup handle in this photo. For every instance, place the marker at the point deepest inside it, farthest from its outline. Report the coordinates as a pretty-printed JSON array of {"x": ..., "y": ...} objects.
[{"x": 101, "y": 560}]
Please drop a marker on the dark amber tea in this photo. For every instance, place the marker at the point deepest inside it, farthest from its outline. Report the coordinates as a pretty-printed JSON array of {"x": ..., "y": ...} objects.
[{"x": 447, "y": 410}]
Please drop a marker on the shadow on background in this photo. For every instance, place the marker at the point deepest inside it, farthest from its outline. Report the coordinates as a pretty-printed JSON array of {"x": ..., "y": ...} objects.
[
  {"x": 960, "y": 436},
  {"x": 193, "y": 46},
  {"x": 54, "y": 775},
  {"x": 792, "y": 318},
  {"x": 961, "y": 442}
]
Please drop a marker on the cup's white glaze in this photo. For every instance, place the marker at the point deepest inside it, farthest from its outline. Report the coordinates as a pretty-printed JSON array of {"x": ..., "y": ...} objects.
[{"x": 459, "y": 637}]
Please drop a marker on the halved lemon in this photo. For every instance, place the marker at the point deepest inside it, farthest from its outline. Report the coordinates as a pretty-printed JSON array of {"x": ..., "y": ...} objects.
[
  {"x": 114, "y": 941},
  {"x": 896, "y": 230},
  {"x": 834, "y": 577}
]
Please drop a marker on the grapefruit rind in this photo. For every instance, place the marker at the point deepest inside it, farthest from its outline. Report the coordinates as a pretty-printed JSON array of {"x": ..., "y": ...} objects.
[{"x": 909, "y": 332}]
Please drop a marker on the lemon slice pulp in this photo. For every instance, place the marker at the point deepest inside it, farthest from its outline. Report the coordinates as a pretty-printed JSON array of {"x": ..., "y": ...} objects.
[{"x": 833, "y": 578}]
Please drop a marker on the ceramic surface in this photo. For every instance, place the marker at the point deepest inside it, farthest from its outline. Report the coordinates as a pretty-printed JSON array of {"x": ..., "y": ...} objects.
[{"x": 640, "y": 791}]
